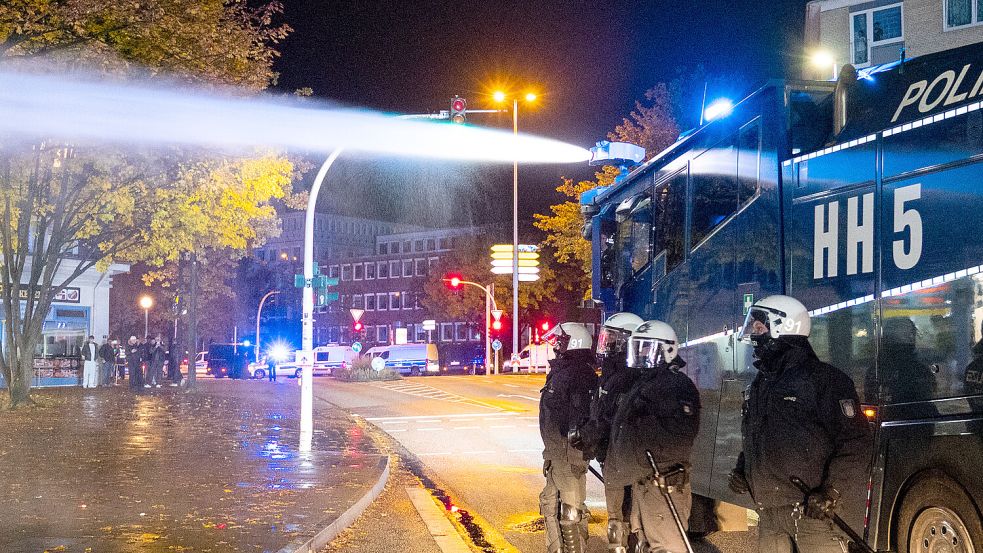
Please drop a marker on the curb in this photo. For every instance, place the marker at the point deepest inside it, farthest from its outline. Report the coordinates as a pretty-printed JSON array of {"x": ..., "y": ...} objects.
[{"x": 331, "y": 531}]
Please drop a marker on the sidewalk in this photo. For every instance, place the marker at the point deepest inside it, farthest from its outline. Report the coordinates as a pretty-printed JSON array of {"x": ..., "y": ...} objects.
[{"x": 213, "y": 471}]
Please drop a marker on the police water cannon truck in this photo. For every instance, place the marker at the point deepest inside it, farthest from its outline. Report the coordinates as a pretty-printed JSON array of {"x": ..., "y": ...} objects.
[{"x": 863, "y": 199}]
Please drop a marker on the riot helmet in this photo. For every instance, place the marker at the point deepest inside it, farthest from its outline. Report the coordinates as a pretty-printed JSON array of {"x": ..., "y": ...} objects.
[
  {"x": 775, "y": 317},
  {"x": 612, "y": 340},
  {"x": 653, "y": 344},
  {"x": 566, "y": 337}
]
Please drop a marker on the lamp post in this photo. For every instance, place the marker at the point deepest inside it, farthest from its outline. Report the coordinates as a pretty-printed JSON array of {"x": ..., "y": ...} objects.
[
  {"x": 259, "y": 311},
  {"x": 146, "y": 302},
  {"x": 500, "y": 97},
  {"x": 489, "y": 306}
]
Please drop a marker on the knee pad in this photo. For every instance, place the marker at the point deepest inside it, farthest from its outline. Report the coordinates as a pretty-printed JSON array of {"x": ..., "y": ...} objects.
[
  {"x": 569, "y": 514},
  {"x": 616, "y": 533}
]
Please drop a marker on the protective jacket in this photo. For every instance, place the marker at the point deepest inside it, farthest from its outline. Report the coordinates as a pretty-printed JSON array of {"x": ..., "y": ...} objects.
[
  {"x": 616, "y": 378},
  {"x": 565, "y": 403},
  {"x": 802, "y": 418},
  {"x": 660, "y": 413},
  {"x": 107, "y": 353}
]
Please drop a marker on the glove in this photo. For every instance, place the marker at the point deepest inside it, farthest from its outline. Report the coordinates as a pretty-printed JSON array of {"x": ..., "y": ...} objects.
[
  {"x": 738, "y": 483},
  {"x": 576, "y": 439},
  {"x": 821, "y": 502}
]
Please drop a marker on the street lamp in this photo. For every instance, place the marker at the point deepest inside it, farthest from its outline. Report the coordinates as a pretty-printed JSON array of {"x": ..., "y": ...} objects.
[
  {"x": 500, "y": 96},
  {"x": 146, "y": 302},
  {"x": 824, "y": 59},
  {"x": 259, "y": 311}
]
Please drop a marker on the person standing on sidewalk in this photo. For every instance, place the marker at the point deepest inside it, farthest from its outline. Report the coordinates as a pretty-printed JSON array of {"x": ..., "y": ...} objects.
[
  {"x": 271, "y": 368},
  {"x": 157, "y": 356},
  {"x": 107, "y": 357},
  {"x": 90, "y": 363},
  {"x": 565, "y": 406},
  {"x": 134, "y": 362}
]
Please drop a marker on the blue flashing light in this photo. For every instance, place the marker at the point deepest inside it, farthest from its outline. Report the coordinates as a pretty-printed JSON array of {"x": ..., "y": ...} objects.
[{"x": 718, "y": 109}]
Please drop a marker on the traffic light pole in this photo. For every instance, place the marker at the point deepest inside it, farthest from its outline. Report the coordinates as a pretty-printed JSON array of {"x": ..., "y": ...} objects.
[
  {"x": 515, "y": 240},
  {"x": 489, "y": 306},
  {"x": 307, "y": 344},
  {"x": 259, "y": 312}
]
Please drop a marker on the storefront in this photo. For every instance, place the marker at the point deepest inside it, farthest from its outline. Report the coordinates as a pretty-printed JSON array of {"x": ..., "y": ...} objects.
[{"x": 77, "y": 312}]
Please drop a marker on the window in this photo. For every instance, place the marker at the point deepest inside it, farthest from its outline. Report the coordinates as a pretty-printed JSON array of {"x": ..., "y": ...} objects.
[
  {"x": 358, "y": 302},
  {"x": 382, "y": 334},
  {"x": 394, "y": 269},
  {"x": 407, "y": 301},
  {"x": 635, "y": 232},
  {"x": 714, "y": 189},
  {"x": 407, "y": 246},
  {"x": 461, "y": 332},
  {"x": 410, "y": 332},
  {"x": 446, "y": 332},
  {"x": 394, "y": 302},
  {"x": 394, "y": 247},
  {"x": 383, "y": 248},
  {"x": 370, "y": 270},
  {"x": 421, "y": 333},
  {"x": 431, "y": 244},
  {"x": 444, "y": 244},
  {"x": 346, "y": 272},
  {"x": 407, "y": 268},
  {"x": 418, "y": 246},
  {"x": 670, "y": 215},
  {"x": 359, "y": 271},
  {"x": 370, "y": 302},
  {"x": 383, "y": 267},
  {"x": 960, "y": 13},
  {"x": 431, "y": 263},
  {"x": 420, "y": 267},
  {"x": 382, "y": 302},
  {"x": 872, "y": 28}
]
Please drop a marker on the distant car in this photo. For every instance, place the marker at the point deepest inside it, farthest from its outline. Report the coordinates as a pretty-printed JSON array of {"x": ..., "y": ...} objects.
[
  {"x": 532, "y": 358},
  {"x": 228, "y": 360},
  {"x": 462, "y": 359}
]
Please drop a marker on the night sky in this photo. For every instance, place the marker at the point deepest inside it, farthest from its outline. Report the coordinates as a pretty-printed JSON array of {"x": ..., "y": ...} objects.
[{"x": 589, "y": 61}]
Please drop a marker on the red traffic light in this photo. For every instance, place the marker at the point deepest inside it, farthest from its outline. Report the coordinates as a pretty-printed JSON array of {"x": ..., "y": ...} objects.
[
  {"x": 458, "y": 104},
  {"x": 453, "y": 281},
  {"x": 497, "y": 325},
  {"x": 459, "y": 108},
  {"x": 545, "y": 325},
  {"x": 358, "y": 326}
]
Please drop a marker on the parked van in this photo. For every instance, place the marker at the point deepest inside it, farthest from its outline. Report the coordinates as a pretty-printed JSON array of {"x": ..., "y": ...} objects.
[
  {"x": 411, "y": 359},
  {"x": 532, "y": 358},
  {"x": 326, "y": 360}
]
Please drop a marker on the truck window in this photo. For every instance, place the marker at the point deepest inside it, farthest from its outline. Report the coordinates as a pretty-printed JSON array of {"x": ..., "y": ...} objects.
[
  {"x": 670, "y": 218},
  {"x": 714, "y": 189}
]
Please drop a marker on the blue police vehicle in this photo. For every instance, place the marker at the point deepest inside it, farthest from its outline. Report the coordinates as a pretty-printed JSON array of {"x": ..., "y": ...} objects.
[{"x": 863, "y": 199}]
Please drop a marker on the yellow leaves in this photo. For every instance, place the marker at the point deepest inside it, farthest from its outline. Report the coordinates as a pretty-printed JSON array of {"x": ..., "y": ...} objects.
[{"x": 149, "y": 537}]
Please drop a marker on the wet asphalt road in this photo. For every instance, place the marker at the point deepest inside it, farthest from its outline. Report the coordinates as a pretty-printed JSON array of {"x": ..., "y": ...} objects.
[{"x": 480, "y": 437}]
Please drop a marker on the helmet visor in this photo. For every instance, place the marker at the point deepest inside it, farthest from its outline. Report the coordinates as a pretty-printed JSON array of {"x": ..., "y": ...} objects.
[
  {"x": 557, "y": 339},
  {"x": 645, "y": 353},
  {"x": 611, "y": 341},
  {"x": 757, "y": 325}
]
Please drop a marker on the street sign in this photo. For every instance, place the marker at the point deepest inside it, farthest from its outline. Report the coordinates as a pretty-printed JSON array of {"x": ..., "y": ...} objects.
[
  {"x": 429, "y": 324},
  {"x": 497, "y": 344},
  {"x": 356, "y": 314},
  {"x": 496, "y": 314},
  {"x": 748, "y": 302},
  {"x": 357, "y": 347},
  {"x": 378, "y": 363},
  {"x": 299, "y": 281}
]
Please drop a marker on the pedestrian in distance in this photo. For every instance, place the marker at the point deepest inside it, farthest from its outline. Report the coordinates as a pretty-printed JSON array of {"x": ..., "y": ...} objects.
[
  {"x": 565, "y": 405},
  {"x": 801, "y": 418},
  {"x": 107, "y": 359},
  {"x": 134, "y": 362},
  {"x": 615, "y": 380},
  {"x": 271, "y": 368},
  {"x": 659, "y": 416},
  {"x": 90, "y": 363},
  {"x": 157, "y": 356}
]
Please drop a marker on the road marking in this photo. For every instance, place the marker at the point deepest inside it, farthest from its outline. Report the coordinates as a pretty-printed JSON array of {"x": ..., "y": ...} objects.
[
  {"x": 467, "y": 428},
  {"x": 436, "y": 453},
  {"x": 503, "y": 426},
  {"x": 487, "y": 452},
  {"x": 428, "y": 429},
  {"x": 431, "y": 417},
  {"x": 430, "y": 392},
  {"x": 518, "y": 396},
  {"x": 443, "y": 532},
  {"x": 392, "y": 430},
  {"x": 525, "y": 450},
  {"x": 512, "y": 385}
]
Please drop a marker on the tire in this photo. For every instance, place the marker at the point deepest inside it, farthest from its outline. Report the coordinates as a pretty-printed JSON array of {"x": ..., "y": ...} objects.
[
  {"x": 298, "y": 373},
  {"x": 415, "y": 371},
  {"x": 937, "y": 515},
  {"x": 259, "y": 374}
]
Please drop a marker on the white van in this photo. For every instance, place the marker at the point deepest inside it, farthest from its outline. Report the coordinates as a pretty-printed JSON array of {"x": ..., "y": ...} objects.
[
  {"x": 532, "y": 358},
  {"x": 326, "y": 360},
  {"x": 408, "y": 359}
]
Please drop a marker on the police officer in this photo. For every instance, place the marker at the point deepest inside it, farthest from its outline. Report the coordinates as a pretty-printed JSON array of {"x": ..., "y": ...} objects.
[
  {"x": 616, "y": 377},
  {"x": 801, "y": 418},
  {"x": 661, "y": 414},
  {"x": 565, "y": 405}
]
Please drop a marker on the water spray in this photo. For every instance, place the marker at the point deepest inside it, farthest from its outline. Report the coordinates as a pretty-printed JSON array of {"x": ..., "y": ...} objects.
[{"x": 77, "y": 109}]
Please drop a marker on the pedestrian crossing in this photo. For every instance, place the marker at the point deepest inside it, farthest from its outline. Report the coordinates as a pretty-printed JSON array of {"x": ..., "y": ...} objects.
[{"x": 417, "y": 389}]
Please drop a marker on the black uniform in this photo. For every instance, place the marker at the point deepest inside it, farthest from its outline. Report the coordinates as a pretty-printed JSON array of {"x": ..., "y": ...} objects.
[
  {"x": 802, "y": 418},
  {"x": 135, "y": 356},
  {"x": 661, "y": 414},
  {"x": 565, "y": 404}
]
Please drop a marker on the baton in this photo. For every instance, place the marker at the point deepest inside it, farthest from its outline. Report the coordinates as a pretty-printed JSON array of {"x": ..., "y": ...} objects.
[
  {"x": 839, "y": 522},
  {"x": 595, "y": 473},
  {"x": 661, "y": 483}
]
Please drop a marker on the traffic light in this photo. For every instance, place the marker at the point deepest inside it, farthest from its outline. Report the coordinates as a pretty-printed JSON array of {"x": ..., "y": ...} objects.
[
  {"x": 459, "y": 106},
  {"x": 496, "y": 325},
  {"x": 358, "y": 326},
  {"x": 545, "y": 325},
  {"x": 453, "y": 281}
]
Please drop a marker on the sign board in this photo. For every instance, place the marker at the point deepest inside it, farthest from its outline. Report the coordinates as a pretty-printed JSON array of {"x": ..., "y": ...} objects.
[
  {"x": 378, "y": 363},
  {"x": 429, "y": 324},
  {"x": 748, "y": 302},
  {"x": 356, "y": 314},
  {"x": 496, "y": 345},
  {"x": 400, "y": 336},
  {"x": 357, "y": 347}
]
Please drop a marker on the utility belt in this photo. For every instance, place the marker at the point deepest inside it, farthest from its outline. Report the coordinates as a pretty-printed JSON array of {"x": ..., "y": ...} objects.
[{"x": 675, "y": 475}]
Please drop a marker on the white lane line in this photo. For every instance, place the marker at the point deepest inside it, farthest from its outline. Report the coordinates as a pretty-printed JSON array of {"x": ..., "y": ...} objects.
[
  {"x": 467, "y": 428},
  {"x": 503, "y": 426},
  {"x": 519, "y": 396},
  {"x": 429, "y": 429},
  {"x": 394, "y": 422},
  {"x": 513, "y": 386},
  {"x": 524, "y": 450},
  {"x": 435, "y": 453},
  {"x": 485, "y": 452},
  {"x": 432, "y": 417},
  {"x": 393, "y": 430}
]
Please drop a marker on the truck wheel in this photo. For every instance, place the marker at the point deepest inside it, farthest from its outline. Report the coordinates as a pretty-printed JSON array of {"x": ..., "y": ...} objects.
[{"x": 938, "y": 515}]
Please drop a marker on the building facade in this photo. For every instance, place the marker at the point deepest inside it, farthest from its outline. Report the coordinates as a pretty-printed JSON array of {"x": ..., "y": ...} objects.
[{"x": 865, "y": 32}]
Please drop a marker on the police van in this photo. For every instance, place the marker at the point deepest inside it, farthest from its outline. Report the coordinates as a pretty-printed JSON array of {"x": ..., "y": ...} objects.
[
  {"x": 864, "y": 200},
  {"x": 326, "y": 360},
  {"x": 408, "y": 359}
]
